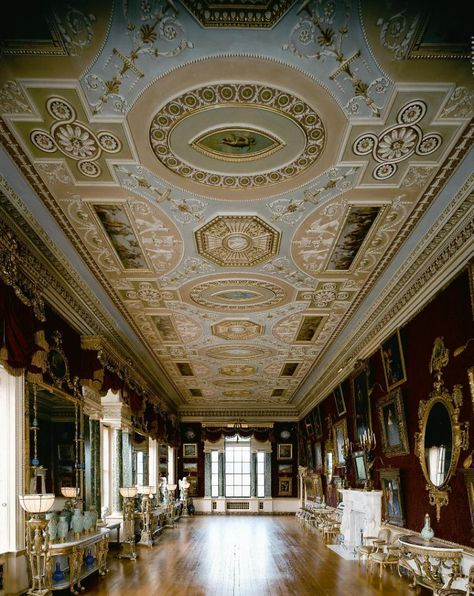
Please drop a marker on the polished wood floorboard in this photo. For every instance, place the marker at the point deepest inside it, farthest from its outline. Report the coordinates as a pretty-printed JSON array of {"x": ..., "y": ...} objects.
[{"x": 241, "y": 556}]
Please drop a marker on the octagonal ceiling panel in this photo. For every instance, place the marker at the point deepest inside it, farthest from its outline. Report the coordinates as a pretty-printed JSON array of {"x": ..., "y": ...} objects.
[
  {"x": 237, "y": 329},
  {"x": 237, "y": 241}
]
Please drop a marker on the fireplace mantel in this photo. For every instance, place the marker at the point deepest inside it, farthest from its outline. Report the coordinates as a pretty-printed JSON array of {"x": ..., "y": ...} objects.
[{"x": 362, "y": 511}]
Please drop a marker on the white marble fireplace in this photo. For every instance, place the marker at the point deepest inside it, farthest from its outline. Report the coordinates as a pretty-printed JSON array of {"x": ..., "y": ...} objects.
[{"x": 362, "y": 512}]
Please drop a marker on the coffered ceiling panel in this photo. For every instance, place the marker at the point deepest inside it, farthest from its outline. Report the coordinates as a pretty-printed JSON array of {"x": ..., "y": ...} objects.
[{"x": 239, "y": 178}]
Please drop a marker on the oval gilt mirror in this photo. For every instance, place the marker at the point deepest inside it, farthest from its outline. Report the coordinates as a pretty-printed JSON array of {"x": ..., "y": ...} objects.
[{"x": 441, "y": 438}]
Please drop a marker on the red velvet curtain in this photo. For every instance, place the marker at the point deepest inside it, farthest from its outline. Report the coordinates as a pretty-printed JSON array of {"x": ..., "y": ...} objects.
[{"x": 22, "y": 343}]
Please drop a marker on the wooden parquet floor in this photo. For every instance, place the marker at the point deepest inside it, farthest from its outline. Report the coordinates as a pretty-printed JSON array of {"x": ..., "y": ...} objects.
[{"x": 241, "y": 556}]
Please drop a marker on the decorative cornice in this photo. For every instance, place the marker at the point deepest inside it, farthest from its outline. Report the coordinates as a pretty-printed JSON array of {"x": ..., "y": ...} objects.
[
  {"x": 56, "y": 292},
  {"x": 28, "y": 170},
  {"x": 436, "y": 185},
  {"x": 450, "y": 238}
]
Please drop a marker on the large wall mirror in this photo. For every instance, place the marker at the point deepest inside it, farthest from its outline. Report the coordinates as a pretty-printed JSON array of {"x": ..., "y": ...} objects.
[
  {"x": 55, "y": 424},
  {"x": 441, "y": 437}
]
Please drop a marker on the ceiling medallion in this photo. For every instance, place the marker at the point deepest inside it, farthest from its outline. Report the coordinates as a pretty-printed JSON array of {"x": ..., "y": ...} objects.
[
  {"x": 74, "y": 139},
  {"x": 238, "y": 370},
  {"x": 238, "y": 96},
  {"x": 237, "y": 144},
  {"x": 237, "y": 329},
  {"x": 259, "y": 15},
  {"x": 225, "y": 352},
  {"x": 398, "y": 142},
  {"x": 237, "y": 241},
  {"x": 232, "y": 295}
]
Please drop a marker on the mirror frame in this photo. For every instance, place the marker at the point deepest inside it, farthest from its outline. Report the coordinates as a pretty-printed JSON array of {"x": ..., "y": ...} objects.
[
  {"x": 438, "y": 495},
  {"x": 328, "y": 448}
]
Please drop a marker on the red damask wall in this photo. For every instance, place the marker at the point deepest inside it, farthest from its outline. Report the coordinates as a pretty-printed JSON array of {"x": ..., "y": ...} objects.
[{"x": 450, "y": 315}]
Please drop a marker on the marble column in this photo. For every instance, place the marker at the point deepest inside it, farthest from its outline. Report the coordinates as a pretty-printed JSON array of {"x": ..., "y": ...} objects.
[
  {"x": 221, "y": 492},
  {"x": 207, "y": 474},
  {"x": 126, "y": 459},
  {"x": 117, "y": 476},
  {"x": 253, "y": 474},
  {"x": 268, "y": 475},
  {"x": 95, "y": 465}
]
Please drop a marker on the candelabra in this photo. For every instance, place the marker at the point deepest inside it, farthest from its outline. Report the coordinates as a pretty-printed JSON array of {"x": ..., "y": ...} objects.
[
  {"x": 347, "y": 453},
  {"x": 146, "y": 535},
  {"x": 37, "y": 541},
  {"x": 128, "y": 544},
  {"x": 368, "y": 444}
]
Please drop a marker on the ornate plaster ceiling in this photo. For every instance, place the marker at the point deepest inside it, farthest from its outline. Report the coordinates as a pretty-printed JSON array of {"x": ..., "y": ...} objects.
[{"x": 238, "y": 177}]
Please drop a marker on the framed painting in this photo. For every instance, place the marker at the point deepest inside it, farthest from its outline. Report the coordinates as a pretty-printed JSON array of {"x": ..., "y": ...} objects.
[
  {"x": 309, "y": 488},
  {"x": 285, "y": 469},
  {"x": 360, "y": 467},
  {"x": 189, "y": 449},
  {"x": 393, "y": 362},
  {"x": 392, "y": 424},
  {"x": 340, "y": 435},
  {"x": 362, "y": 419},
  {"x": 308, "y": 423},
  {"x": 190, "y": 467},
  {"x": 193, "y": 486},
  {"x": 318, "y": 456},
  {"x": 339, "y": 399},
  {"x": 284, "y": 487},
  {"x": 285, "y": 451},
  {"x": 318, "y": 427},
  {"x": 392, "y": 500}
]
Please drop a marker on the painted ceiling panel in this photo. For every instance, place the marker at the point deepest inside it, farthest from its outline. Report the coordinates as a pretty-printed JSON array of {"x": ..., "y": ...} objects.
[{"x": 240, "y": 183}]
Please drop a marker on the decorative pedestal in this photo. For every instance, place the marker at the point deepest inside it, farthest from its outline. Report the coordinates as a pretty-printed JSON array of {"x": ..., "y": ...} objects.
[{"x": 362, "y": 515}]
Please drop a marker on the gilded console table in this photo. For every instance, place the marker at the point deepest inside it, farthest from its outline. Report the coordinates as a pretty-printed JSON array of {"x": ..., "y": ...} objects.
[
  {"x": 75, "y": 552},
  {"x": 426, "y": 561}
]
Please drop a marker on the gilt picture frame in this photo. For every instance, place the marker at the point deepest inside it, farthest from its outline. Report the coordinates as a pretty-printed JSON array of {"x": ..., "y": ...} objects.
[
  {"x": 340, "y": 435},
  {"x": 362, "y": 409},
  {"x": 285, "y": 451},
  {"x": 392, "y": 497},
  {"x": 284, "y": 487},
  {"x": 339, "y": 400},
  {"x": 189, "y": 449},
  {"x": 393, "y": 361},
  {"x": 393, "y": 425}
]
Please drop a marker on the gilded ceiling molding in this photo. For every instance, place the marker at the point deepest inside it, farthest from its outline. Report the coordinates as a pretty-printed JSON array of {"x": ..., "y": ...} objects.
[
  {"x": 331, "y": 184},
  {"x": 324, "y": 33},
  {"x": 236, "y": 95},
  {"x": 247, "y": 414},
  {"x": 437, "y": 250},
  {"x": 237, "y": 240},
  {"x": 13, "y": 99},
  {"x": 398, "y": 142},
  {"x": 261, "y": 15},
  {"x": 153, "y": 32},
  {"x": 12, "y": 257}
]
